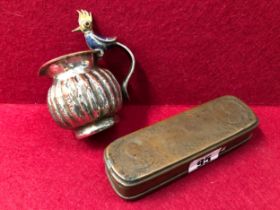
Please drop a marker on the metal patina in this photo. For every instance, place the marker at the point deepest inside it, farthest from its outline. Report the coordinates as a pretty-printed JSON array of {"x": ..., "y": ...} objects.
[
  {"x": 153, "y": 156},
  {"x": 83, "y": 96}
]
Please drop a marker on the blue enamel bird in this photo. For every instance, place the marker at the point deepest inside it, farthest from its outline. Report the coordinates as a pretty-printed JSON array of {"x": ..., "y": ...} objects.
[{"x": 95, "y": 42}]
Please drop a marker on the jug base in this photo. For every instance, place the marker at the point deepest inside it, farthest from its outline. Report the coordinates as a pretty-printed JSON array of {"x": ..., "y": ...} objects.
[{"x": 95, "y": 127}]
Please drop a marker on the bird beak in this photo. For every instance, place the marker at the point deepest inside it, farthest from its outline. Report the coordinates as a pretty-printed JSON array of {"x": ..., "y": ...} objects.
[{"x": 77, "y": 29}]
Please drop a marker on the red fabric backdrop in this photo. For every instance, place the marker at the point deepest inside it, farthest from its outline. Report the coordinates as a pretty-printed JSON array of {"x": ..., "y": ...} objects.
[
  {"x": 44, "y": 167},
  {"x": 187, "y": 52}
]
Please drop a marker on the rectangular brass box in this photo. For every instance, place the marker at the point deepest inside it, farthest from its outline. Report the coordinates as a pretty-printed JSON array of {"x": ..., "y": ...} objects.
[{"x": 153, "y": 156}]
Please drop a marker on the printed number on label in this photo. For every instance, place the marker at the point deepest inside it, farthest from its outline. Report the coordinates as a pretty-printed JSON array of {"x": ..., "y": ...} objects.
[{"x": 204, "y": 160}]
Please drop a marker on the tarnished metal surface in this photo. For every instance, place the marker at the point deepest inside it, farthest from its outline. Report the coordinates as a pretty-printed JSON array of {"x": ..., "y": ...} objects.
[
  {"x": 150, "y": 157},
  {"x": 82, "y": 95}
]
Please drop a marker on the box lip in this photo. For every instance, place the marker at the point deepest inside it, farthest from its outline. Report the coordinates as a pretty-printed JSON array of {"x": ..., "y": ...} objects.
[
  {"x": 129, "y": 183},
  {"x": 136, "y": 196},
  {"x": 164, "y": 170},
  {"x": 144, "y": 192}
]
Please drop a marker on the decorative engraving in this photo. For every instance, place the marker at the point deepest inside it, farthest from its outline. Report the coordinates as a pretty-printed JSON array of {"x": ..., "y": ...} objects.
[
  {"x": 140, "y": 155},
  {"x": 231, "y": 112}
]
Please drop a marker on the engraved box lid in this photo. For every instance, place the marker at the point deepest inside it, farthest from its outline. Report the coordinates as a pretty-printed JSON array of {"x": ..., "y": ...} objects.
[{"x": 150, "y": 156}]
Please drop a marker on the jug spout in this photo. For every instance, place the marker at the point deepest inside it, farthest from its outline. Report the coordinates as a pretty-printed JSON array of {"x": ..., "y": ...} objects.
[{"x": 62, "y": 64}]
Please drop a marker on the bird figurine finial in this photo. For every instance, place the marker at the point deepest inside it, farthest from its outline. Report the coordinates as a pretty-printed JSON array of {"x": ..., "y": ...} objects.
[
  {"x": 93, "y": 41},
  {"x": 85, "y": 21},
  {"x": 101, "y": 44}
]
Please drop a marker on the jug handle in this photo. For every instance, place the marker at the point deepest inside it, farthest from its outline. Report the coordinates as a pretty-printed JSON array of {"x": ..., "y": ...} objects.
[{"x": 131, "y": 69}]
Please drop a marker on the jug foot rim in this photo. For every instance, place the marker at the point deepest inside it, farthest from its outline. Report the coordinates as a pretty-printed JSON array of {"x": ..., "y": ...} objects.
[{"x": 96, "y": 127}]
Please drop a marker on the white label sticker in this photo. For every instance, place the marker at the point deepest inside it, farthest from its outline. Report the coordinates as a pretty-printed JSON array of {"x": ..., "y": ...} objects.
[{"x": 199, "y": 162}]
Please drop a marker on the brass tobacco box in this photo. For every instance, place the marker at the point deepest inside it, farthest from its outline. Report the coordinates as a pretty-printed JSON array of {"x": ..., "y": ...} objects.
[{"x": 153, "y": 156}]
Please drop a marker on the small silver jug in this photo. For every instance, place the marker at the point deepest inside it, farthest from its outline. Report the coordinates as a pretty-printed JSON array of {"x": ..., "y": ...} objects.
[{"x": 83, "y": 96}]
